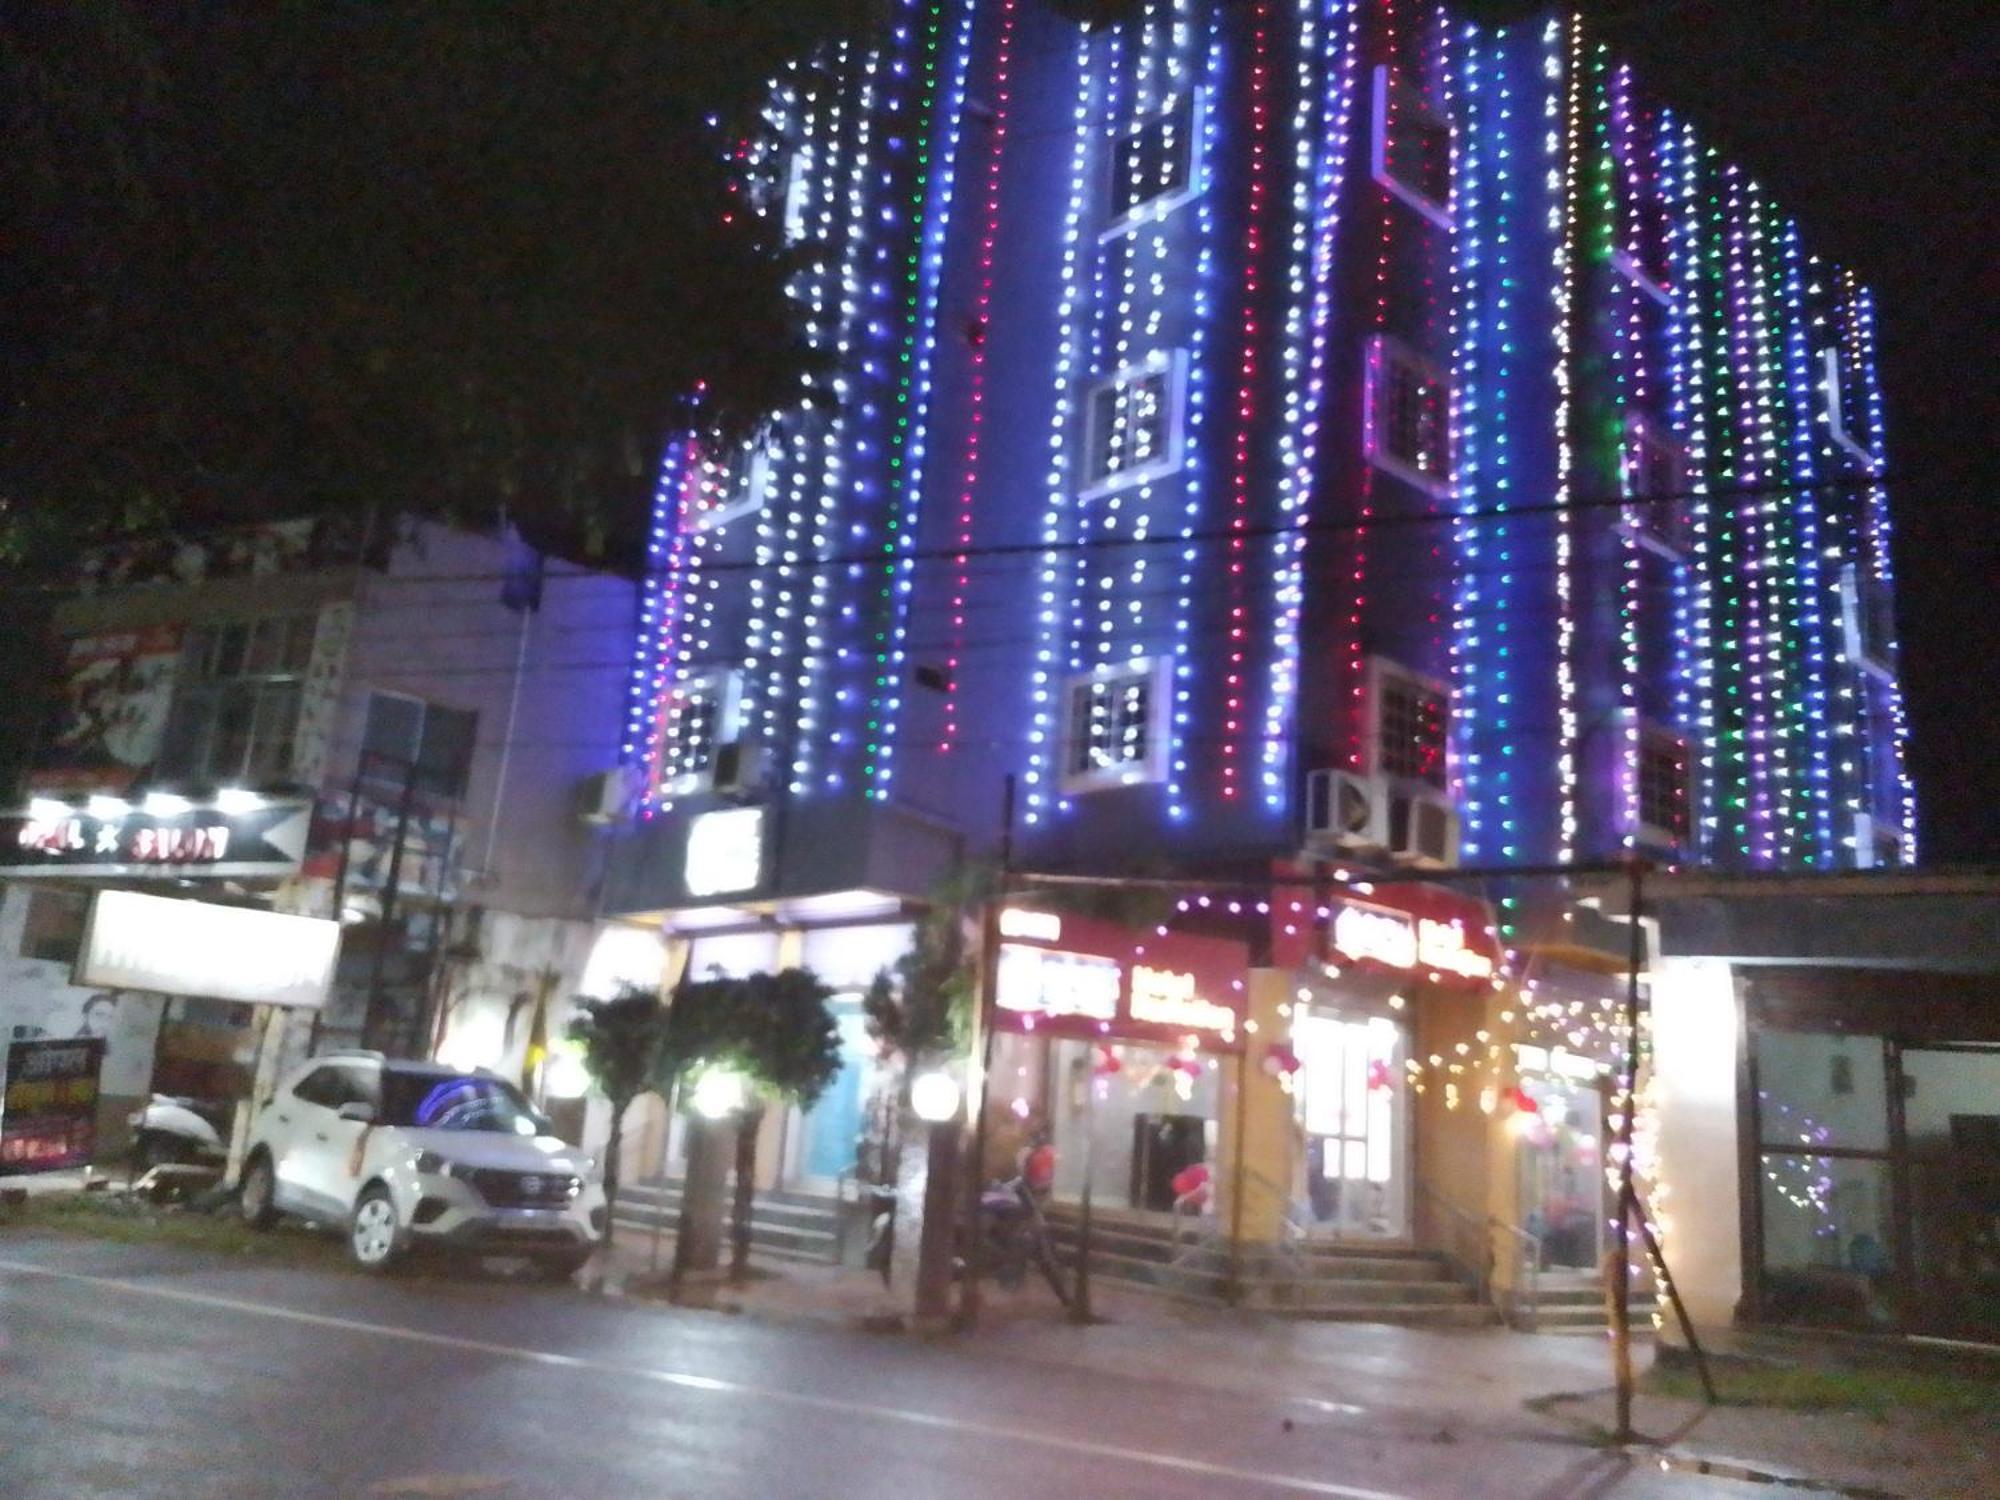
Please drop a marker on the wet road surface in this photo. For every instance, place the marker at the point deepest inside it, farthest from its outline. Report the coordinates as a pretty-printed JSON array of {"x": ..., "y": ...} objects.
[{"x": 134, "y": 1371}]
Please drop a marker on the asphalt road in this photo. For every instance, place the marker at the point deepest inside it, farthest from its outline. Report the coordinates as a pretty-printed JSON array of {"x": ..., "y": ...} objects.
[{"x": 134, "y": 1371}]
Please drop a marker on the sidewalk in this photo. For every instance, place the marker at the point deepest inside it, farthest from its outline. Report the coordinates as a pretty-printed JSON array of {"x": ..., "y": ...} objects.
[{"x": 1444, "y": 1385}]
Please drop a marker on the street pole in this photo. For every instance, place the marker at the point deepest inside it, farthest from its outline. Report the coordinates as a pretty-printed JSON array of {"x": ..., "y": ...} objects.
[
  {"x": 1628, "y": 1105},
  {"x": 976, "y": 1100},
  {"x": 392, "y": 883},
  {"x": 1079, "y": 1308}
]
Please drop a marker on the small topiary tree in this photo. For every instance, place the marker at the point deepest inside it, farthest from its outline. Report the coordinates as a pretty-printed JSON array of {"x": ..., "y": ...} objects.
[{"x": 621, "y": 1039}]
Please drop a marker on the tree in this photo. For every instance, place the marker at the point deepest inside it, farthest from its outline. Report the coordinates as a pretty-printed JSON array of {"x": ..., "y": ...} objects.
[
  {"x": 621, "y": 1039},
  {"x": 775, "y": 1032}
]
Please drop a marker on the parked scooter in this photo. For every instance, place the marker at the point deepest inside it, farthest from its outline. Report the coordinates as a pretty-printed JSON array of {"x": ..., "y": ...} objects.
[{"x": 173, "y": 1130}]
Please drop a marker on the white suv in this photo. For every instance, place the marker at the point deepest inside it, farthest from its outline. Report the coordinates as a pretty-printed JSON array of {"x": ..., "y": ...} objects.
[{"x": 402, "y": 1154}]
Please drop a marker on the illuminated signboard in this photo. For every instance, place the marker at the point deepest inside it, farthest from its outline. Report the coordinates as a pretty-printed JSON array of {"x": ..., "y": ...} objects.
[
  {"x": 138, "y": 942},
  {"x": 1400, "y": 940},
  {"x": 1040, "y": 983},
  {"x": 1165, "y": 997},
  {"x": 260, "y": 840},
  {"x": 48, "y": 1114},
  {"x": 725, "y": 852}
]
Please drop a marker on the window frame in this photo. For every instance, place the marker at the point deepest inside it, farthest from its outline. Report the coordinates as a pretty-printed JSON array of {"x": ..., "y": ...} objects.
[
  {"x": 1161, "y": 205},
  {"x": 1381, "y": 352},
  {"x": 1169, "y": 363},
  {"x": 1649, "y": 733},
  {"x": 216, "y": 672},
  {"x": 1833, "y": 406},
  {"x": 1387, "y": 80},
  {"x": 1857, "y": 606},
  {"x": 751, "y": 470},
  {"x": 72, "y": 909},
  {"x": 459, "y": 786},
  {"x": 1382, "y": 671},
  {"x": 1155, "y": 674},
  {"x": 723, "y": 687},
  {"x": 1677, "y": 543}
]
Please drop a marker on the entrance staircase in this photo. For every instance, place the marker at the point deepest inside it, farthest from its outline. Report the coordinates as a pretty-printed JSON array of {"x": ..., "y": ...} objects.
[
  {"x": 1574, "y": 1303},
  {"x": 1303, "y": 1280},
  {"x": 787, "y": 1224}
]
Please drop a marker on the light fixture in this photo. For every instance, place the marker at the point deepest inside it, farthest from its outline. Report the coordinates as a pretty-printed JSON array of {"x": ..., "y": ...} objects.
[
  {"x": 718, "y": 1093},
  {"x": 236, "y": 799},
  {"x": 48, "y": 810},
  {"x": 107, "y": 809},
  {"x": 934, "y": 1096},
  {"x": 166, "y": 804}
]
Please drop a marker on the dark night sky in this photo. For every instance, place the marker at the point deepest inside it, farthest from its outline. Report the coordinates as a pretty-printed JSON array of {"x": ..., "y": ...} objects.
[{"x": 1871, "y": 121}]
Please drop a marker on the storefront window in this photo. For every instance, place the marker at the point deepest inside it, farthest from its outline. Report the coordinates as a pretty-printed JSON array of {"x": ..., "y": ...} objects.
[
  {"x": 1562, "y": 1169},
  {"x": 1353, "y": 1109},
  {"x": 1131, "y": 1119},
  {"x": 1821, "y": 1089},
  {"x": 1951, "y": 1114}
]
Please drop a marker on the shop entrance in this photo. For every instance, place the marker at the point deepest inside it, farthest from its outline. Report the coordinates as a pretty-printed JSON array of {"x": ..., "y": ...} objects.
[
  {"x": 1560, "y": 1142},
  {"x": 1354, "y": 1112},
  {"x": 1134, "y": 1118}
]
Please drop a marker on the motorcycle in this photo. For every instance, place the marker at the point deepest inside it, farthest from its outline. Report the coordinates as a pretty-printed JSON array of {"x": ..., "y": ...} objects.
[{"x": 172, "y": 1130}]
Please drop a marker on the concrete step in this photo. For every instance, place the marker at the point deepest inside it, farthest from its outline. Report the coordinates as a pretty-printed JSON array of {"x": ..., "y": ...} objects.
[{"x": 784, "y": 1224}]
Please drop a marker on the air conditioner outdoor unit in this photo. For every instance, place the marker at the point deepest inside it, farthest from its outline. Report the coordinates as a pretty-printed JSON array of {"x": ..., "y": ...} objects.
[
  {"x": 606, "y": 797},
  {"x": 1423, "y": 830},
  {"x": 738, "y": 768},
  {"x": 1344, "y": 811}
]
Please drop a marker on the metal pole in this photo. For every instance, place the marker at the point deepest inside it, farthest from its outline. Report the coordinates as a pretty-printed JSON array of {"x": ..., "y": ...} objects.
[
  {"x": 1680, "y": 1309},
  {"x": 989, "y": 984},
  {"x": 1079, "y": 1308},
  {"x": 1628, "y": 1102},
  {"x": 391, "y": 886}
]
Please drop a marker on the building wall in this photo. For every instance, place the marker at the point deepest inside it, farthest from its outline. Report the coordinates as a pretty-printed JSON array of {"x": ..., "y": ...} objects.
[{"x": 1598, "y": 269}]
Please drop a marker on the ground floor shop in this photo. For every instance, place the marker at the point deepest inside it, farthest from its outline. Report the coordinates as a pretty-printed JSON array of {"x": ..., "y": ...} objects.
[{"x": 1829, "y": 1120}]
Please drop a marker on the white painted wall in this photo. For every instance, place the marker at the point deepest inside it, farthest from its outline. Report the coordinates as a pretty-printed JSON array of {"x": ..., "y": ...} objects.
[
  {"x": 37, "y": 1000},
  {"x": 1695, "y": 1007}
]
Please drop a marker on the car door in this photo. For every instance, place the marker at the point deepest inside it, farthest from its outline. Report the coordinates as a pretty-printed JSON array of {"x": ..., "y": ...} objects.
[
  {"x": 337, "y": 1143},
  {"x": 300, "y": 1118}
]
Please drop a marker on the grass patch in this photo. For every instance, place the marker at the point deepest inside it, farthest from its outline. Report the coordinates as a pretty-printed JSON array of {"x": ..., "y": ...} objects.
[
  {"x": 1877, "y": 1393},
  {"x": 131, "y": 1221}
]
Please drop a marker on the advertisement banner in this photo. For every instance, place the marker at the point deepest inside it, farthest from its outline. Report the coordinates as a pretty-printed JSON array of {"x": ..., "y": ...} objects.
[
  {"x": 116, "y": 691},
  {"x": 48, "y": 1114},
  {"x": 260, "y": 840},
  {"x": 175, "y": 947},
  {"x": 1076, "y": 976}
]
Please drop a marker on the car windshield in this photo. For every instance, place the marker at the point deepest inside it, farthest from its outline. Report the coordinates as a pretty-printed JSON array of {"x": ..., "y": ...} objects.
[{"x": 456, "y": 1101}]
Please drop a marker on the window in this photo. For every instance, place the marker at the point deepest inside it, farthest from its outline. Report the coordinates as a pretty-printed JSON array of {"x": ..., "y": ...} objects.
[
  {"x": 701, "y": 716},
  {"x": 734, "y": 481},
  {"x": 430, "y": 744},
  {"x": 1114, "y": 734},
  {"x": 1878, "y": 844},
  {"x": 1665, "y": 792},
  {"x": 1412, "y": 149},
  {"x": 1847, "y": 426},
  {"x": 1155, "y": 166},
  {"x": 1867, "y": 617},
  {"x": 1133, "y": 423},
  {"x": 53, "y": 931},
  {"x": 1408, "y": 416},
  {"x": 798, "y": 194},
  {"x": 1654, "y": 470},
  {"x": 237, "y": 716},
  {"x": 1412, "y": 727}
]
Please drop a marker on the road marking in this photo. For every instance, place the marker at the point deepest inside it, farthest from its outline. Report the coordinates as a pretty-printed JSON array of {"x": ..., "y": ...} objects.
[{"x": 706, "y": 1383}]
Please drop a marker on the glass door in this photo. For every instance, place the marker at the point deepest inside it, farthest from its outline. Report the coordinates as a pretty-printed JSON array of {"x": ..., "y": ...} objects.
[
  {"x": 1354, "y": 1111},
  {"x": 1562, "y": 1170}
]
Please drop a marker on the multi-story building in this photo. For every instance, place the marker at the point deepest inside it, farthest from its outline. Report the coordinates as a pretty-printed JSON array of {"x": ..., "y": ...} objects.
[
  {"x": 1269, "y": 433},
  {"x": 405, "y": 731}
]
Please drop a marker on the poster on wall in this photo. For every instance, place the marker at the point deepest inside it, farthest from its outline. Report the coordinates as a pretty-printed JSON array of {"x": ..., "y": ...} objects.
[
  {"x": 48, "y": 1114},
  {"x": 116, "y": 691}
]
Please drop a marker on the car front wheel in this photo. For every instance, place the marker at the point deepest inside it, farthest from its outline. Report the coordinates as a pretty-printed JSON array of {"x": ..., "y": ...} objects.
[
  {"x": 374, "y": 1237},
  {"x": 257, "y": 1195}
]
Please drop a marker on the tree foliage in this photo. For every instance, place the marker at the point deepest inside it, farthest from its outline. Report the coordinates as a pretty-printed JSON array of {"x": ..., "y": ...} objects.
[
  {"x": 440, "y": 256},
  {"x": 621, "y": 1039},
  {"x": 775, "y": 1029}
]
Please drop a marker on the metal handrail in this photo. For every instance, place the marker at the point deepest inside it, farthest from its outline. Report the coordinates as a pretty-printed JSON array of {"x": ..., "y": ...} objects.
[
  {"x": 1528, "y": 1252},
  {"x": 1475, "y": 1231}
]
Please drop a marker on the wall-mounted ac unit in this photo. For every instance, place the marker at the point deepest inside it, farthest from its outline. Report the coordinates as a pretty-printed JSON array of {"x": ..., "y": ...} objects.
[
  {"x": 739, "y": 768},
  {"x": 606, "y": 797},
  {"x": 1344, "y": 811},
  {"x": 1422, "y": 830}
]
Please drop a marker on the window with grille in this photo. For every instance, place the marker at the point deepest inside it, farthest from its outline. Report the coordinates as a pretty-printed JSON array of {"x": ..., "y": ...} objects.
[
  {"x": 1155, "y": 165},
  {"x": 428, "y": 743},
  {"x": 236, "y": 717},
  {"x": 699, "y": 719},
  {"x": 1114, "y": 734},
  {"x": 729, "y": 482},
  {"x": 1868, "y": 619},
  {"x": 1655, "y": 474},
  {"x": 1133, "y": 424},
  {"x": 1412, "y": 727},
  {"x": 1412, "y": 147},
  {"x": 1665, "y": 790},
  {"x": 1847, "y": 423},
  {"x": 1408, "y": 415}
]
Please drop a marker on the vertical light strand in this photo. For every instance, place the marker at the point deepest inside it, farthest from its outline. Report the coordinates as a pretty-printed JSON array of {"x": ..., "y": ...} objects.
[
  {"x": 1236, "y": 634},
  {"x": 1562, "y": 110},
  {"x": 1039, "y": 776},
  {"x": 982, "y": 314},
  {"x": 940, "y": 121},
  {"x": 1469, "y": 437}
]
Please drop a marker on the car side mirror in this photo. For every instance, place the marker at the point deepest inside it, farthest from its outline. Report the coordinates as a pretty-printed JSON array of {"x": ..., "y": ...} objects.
[{"x": 357, "y": 1111}]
